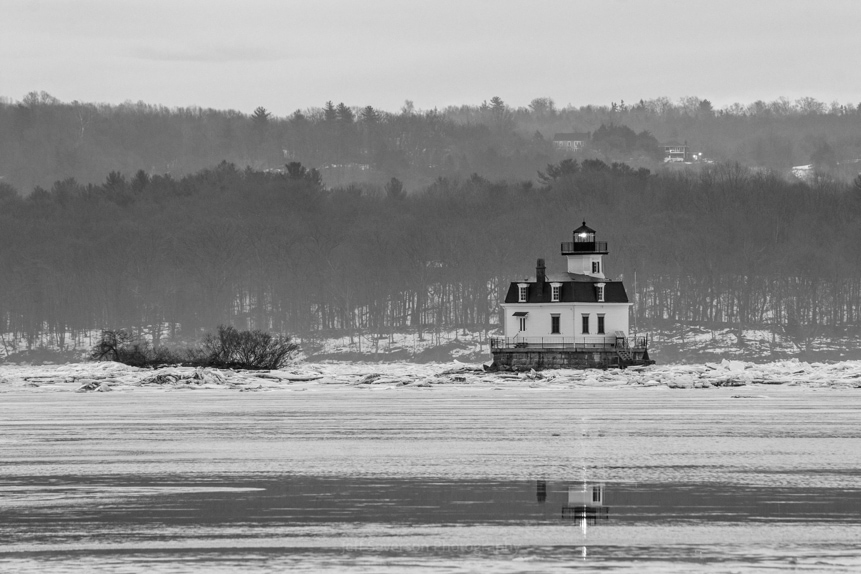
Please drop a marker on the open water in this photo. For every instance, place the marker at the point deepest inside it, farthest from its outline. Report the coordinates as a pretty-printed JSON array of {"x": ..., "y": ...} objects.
[{"x": 442, "y": 479}]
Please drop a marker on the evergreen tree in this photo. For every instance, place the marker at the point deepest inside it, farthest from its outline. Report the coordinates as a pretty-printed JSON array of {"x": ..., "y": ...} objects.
[{"x": 330, "y": 113}]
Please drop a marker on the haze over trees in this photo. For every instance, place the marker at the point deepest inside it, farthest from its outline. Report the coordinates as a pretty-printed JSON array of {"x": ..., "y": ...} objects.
[
  {"x": 279, "y": 251},
  {"x": 43, "y": 140}
]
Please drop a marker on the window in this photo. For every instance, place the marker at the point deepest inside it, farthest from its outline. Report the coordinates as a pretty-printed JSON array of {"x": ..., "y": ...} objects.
[
  {"x": 599, "y": 291},
  {"x": 554, "y": 325},
  {"x": 596, "y": 267},
  {"x": 596, "y": 494},
  {"x": 555, "y": 293},
  {"x": 522, "y": 291},
  {"x": 521, "y": 319},
  {"x": 585, "y": 324},
  {"x": 601, "y": 324}
]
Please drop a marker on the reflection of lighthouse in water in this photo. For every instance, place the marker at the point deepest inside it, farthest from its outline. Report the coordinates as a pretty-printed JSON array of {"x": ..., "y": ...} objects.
[
  {"x": 541, "y": 491},
  {"x": 586, "y": 504}
]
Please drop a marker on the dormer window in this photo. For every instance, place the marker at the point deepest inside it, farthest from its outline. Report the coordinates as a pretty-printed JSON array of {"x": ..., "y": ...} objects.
[
  {"x": 522, "y": 292},
  {"x": 555, "y": 292},
  {"x": 599, "y": 292}
]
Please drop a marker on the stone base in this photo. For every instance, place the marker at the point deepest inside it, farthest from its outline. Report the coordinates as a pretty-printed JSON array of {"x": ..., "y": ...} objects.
[{"x": 527, "y": 359}]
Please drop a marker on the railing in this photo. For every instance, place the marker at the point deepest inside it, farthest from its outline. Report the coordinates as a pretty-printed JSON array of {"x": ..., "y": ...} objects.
[
  {"x": 569, "y": 247},
  {"x": 564, "y": 343}
]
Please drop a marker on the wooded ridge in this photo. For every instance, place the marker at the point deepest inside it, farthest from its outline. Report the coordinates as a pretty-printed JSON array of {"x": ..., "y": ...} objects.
[
  {"x": 280, "y": 252},
  {"x": 43, "y": 140}
]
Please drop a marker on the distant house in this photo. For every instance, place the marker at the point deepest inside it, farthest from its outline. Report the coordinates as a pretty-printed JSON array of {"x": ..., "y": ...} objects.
[
  {"x": 570, "y": 141},
  {"x": 805, "y": 173},
  {"x": 674, "y": 151}
]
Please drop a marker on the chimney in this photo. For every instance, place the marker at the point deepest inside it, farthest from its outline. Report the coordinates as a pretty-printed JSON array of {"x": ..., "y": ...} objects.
[{"x": 540, "y": 276}]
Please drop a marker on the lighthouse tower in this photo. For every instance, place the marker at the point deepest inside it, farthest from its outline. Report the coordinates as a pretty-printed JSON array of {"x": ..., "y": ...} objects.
[
  {"x": 585, "y": 255},
  {"x": 574, "y": 319}
]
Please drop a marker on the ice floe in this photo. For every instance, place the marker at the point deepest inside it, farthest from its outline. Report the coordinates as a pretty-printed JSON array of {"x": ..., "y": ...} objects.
[{"x": 107, "y": 376}]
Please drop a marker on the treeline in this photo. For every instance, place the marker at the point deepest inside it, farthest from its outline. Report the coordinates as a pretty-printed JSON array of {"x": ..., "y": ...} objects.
[
  {"x": 280, "y": 252},
  {"x": 43, "y": 140}
]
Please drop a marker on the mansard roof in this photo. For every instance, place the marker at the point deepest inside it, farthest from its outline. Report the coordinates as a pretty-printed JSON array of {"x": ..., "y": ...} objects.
[{"x": 574, "y": 290}]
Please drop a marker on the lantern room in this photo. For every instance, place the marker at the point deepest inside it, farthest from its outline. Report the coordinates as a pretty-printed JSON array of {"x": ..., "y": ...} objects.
[
  {"x": 584, "y": 242},
  {"x": 585, "y": 255}
]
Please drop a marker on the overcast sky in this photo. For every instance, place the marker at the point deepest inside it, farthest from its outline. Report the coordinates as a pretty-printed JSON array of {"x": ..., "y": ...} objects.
[{"x": 289, "y": 54}]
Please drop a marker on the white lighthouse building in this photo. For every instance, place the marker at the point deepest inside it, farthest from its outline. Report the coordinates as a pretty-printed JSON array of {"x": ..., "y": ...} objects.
[{"x": 577, "y": 318}]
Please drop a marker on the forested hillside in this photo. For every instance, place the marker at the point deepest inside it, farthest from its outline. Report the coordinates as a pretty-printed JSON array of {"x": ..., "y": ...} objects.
[
  {"x": 43, "y": 140},
  {"x": 280, "y": 251}
]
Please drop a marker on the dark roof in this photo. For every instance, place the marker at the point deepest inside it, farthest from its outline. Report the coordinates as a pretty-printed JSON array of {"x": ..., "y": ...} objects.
[
  {"x": 583, "y": 229},
  {"x": 576, "y": 291},
  {"x": 571, "y": 137}
]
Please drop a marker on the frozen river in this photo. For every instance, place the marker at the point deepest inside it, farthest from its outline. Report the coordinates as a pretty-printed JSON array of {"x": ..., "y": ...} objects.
[{"x": 458, "y": 478}]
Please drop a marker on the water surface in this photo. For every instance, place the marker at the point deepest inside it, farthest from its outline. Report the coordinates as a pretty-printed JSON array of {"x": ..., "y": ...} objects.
[{"x": 499, "y": 481}]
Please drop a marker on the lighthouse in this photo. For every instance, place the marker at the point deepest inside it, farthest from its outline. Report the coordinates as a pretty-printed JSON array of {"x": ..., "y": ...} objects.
[{"x": 577, "y": 318}]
